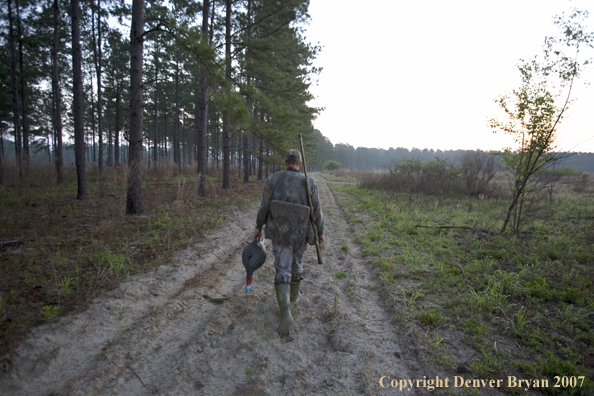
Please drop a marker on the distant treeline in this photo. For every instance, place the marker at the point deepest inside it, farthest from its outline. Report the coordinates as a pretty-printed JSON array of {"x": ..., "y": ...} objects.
[
  {"x": 372, "y": 159},
  {"x": 42, "y": 152},
  {"x": 360, "y": 158}
]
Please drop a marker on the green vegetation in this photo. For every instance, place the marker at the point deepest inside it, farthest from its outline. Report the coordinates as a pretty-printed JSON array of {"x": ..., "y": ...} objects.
[
  {"x": 534, "y": 111},
  {"x": 341, "y": 274},
  {"x": 332, "y": 165},
  {"x": 498, "y": 303}
]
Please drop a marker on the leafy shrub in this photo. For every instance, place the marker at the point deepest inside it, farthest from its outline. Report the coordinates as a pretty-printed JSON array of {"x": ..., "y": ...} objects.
[{"x": 332, "y": 165}]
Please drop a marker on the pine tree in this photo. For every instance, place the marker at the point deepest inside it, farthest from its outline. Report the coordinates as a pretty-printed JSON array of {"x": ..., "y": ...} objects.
[
  {"x": 77, "y": 104},
  {"x": 202, "y": 120},
  {"x": 15, "y": 103},
  {"x": 97, "y": 59},
  {"x": 57, "y": 95},
  {"x": 134, "y": 198},
  {"x": 226, "y": 118}
]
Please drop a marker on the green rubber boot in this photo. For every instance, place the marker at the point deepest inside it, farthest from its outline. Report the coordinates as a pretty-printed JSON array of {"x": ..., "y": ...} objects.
[
  {"x": 295, "y": 286},
  {"x": 282, "y": 296}
]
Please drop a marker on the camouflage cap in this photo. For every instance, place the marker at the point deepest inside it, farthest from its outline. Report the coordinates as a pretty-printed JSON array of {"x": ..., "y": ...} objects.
[{"x": 293, "y": 156}]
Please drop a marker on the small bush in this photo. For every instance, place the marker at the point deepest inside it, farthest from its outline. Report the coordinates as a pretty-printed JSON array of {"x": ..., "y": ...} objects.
[
  {"x": 332, "y": 165},
  {"x": 478, "y": 169},
  {"x": 49, "y": 313}
]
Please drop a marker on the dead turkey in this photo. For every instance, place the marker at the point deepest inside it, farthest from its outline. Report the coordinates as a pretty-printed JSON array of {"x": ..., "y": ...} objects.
[{"x": 253, "y": 257}]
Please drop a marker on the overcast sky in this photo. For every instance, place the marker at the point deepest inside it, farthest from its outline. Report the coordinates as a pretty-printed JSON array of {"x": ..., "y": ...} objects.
[{"x": 424, "y": 73}]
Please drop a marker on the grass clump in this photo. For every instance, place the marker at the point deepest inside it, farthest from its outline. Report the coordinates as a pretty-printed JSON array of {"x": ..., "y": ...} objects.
[
  {"x": 431, "y": 317},
  {"x": 341, "y": 275}
]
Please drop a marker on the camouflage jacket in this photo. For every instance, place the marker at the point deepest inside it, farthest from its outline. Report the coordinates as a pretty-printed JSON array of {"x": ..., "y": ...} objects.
[{"x": 289, "y": 186}]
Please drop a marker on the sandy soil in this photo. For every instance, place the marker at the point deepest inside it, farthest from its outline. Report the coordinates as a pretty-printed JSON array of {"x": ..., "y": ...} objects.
[{"x": 190, "y": 329}]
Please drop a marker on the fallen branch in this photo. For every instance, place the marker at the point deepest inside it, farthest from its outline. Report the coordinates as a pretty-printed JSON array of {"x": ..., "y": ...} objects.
[{"x": 129, "y": 366}]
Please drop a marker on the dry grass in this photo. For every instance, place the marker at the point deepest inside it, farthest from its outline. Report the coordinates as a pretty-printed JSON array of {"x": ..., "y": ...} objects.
[
  {"x": 351, "y": 174},
  {"x": 74, "y": 251}
]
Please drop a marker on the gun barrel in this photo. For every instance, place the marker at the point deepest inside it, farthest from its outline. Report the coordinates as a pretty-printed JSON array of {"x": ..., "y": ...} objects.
[{"x": 310, "y": 204}]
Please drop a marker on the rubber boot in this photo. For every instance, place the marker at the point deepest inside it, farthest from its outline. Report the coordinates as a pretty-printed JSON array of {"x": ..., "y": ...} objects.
[
  {"x": 295, "y": 286},
  {"x": 282, "y": 296}
]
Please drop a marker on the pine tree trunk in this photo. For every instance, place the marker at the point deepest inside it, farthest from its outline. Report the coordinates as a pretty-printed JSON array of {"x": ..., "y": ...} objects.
[
  {"x": 1, "y": 158},
  {"x": 236, "y": 144},
  {"x": 213, "y": 131},
  {"x": 184, "y": 153},
  {"x": 267, "y": 164},
  {"x": 197, "y": 152},
  {"x": 226, "y": 139},
  {"x": 58, "y": 153},
  {"x": 165, "y": 154},
  {"x": 134, "y": 199},
  {"x": 252, "y": 155},
  {"x": 216, "y": 128},
  {"x": 217, "y": 145},
  {"x": 116, "y": 132},
  {"x": 26, "y": 157},
  {"x": 97, "y": 60},
  {"x": 15, "y": 101},
  {"x": 77, "y": 104},
  {"x": 203, "y": 113},
  {"x": 163, "y": 158},
  {"x": 109, "y": 145},
  {"x": 261, "y": 151},
  {"x": 47, "y": 138},
  {"x": 191, "y": 151},
  {"x": 156, "y": 112},
  {"x": 246, "y": 158},
  {"x": 176, "y": 153},
  {"x": 93, "y": 114}
]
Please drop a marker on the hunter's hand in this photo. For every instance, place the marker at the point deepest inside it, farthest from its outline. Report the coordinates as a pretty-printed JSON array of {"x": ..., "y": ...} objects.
[
  {"x": 321, "y": 238},
  {"x": 257, "y": 235}
]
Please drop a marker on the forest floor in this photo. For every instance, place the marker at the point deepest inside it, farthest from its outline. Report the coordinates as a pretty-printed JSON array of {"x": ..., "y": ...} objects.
[{"x": 189, "y": 328}]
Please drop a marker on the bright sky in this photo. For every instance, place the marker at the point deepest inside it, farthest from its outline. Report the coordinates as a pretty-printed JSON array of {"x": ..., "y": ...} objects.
[{"x": 403, "y": 73}]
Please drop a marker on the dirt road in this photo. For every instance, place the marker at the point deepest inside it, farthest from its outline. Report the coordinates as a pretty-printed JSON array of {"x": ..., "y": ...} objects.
[{"x": 190, "y": 329}]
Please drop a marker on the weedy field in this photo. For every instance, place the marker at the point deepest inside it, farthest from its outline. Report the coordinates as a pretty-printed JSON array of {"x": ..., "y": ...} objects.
[
  {"x": 483, "y": 304},
  {"x": 73, "y": 251}
]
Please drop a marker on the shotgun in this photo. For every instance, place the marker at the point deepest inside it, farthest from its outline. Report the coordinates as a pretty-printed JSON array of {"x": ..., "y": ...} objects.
[{"x": 309, "y": 203}]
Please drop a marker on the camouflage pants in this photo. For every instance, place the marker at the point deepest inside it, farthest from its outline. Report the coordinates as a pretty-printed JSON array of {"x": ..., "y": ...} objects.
[{"x": 287, "y": 261}]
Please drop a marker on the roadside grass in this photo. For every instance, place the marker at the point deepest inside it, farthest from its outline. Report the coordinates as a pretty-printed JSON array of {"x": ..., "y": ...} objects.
[
  {"x": 74, "y": 251},
  {"x": 494, "y": 304}
]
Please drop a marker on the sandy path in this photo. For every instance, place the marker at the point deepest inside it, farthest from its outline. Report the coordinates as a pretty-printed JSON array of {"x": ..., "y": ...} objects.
[{"x": 158, "y": 334}]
